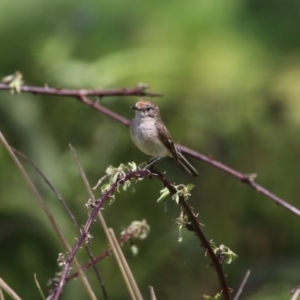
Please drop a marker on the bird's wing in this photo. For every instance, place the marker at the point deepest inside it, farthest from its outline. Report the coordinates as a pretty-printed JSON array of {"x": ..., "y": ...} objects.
[{"x": 166, "y": 138}]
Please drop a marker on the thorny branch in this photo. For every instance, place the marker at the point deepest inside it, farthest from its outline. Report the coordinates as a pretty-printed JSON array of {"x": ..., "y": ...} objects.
[
  {"x": 85, "y": 231},
  {"x": 69, "y": 212},
  {"x": 248, "y": 179},
  {"x": 194, "y": 226},
  {"x": 142, "y": 90},
  {"x": 124, "y": 238},
  {"x": 139, "y": 90}
]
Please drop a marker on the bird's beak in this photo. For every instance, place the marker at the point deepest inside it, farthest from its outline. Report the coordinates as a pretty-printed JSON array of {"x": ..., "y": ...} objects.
[{"x": 134, "y": 107}]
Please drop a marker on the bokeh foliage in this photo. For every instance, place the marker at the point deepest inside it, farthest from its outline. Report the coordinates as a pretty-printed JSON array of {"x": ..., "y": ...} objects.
[{"x": 230, "y": 73}]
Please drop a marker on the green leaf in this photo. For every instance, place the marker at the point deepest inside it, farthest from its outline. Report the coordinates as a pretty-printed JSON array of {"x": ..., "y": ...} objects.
[
  {"x": 190, "y": 186},
  {"x": 114, "y": 178},
  {"x": 112, "y": 199},
  {"x": 216, "y": 297},
  {"x": 14, "y": 82},
  {"x": 228, "y": 255},
  {"x": 126, "y": 185},
  {"x": 132, "y": 166},
  {"x": 105, "y": 187},
  {"x": 110, "y": 170},
  {"x": 176, "y": 198},
  {"x": 164, "y": 195}
]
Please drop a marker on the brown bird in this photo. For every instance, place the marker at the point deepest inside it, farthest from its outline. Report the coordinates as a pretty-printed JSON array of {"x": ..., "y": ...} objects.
[{"x": 150, "y": 135}]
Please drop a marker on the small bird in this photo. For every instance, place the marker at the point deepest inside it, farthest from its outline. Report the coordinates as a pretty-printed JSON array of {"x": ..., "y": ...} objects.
[{"x": 150, "y": 135}]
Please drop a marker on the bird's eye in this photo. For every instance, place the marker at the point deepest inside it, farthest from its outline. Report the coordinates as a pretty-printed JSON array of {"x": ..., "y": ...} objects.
[{"x": 148, "y": 108}]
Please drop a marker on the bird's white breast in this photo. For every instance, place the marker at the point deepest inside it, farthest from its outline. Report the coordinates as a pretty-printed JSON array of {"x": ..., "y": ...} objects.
[{"x": 144, "y": 134}]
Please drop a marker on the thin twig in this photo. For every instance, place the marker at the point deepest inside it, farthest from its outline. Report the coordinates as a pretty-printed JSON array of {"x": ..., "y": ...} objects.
[
  {"x": 242, "y": 177},
  {"x": 69, "y": 212},
  {"x": 124, "y": 238},
  {"x": 139, "y": 90},
  {"x": 8, "y": 290},
  {"x": 241, "y": 287},
  {"x": 199, "y": 233},
  {"x": 100, "y": 108},
  {"x": 105, "y": 196},
  {"x": 51, "y": 186},
  {"x": 1, "y": 294},
  {"x": 83, "y": 95},
  {"x": 127, "y": 275},
  {"x": 124, "y": 268},
  {"x": 39, "y": 287},
  {"x": 194, "y": 224},
  {"x": 296, "y": 293},
  {"x": 208, "y": 249},
  {"x": 152, "y": 293},
  {"x": 90, "y": 191},
  {"x": 48, "y": 214}
]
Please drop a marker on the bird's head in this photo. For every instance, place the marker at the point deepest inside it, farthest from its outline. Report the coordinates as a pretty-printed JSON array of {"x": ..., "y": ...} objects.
[{"x": 144, "y": 108}]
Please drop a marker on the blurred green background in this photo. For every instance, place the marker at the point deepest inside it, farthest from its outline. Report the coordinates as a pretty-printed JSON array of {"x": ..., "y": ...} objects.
[{"x": 229, "y": 72}]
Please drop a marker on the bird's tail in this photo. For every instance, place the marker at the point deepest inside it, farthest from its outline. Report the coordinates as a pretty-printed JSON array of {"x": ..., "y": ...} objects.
[{"x": 186, "y": 165}]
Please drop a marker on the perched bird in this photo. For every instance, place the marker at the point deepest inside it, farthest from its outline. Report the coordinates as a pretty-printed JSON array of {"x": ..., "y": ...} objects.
[{"x": 150, "y": 135}]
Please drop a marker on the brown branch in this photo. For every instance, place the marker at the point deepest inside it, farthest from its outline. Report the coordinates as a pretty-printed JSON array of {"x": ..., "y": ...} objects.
[
  {"x": 191, "y": 216},
  {"x": 69, "y": 212},
  {"x": 242, "y": 177},
  {"x": 108, "y": 252},
  {"x": 84, "y": 233},
  {"x": 100, "y": 108},
  {"x": 139, "y": 90},
  {"x": 195, "y": 227},
  {"x": 208, "y": 249}
]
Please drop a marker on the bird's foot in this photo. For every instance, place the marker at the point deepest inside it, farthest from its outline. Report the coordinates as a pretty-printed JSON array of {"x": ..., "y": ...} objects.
[{"x": 151, "y": 164}]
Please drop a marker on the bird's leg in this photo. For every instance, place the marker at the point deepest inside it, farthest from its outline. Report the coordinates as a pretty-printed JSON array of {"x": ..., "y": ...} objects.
[{"x": 151, "y": 163}]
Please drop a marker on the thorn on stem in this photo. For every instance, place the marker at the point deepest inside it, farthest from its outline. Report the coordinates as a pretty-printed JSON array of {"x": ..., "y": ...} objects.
[{"x": 249, "y": 178}]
